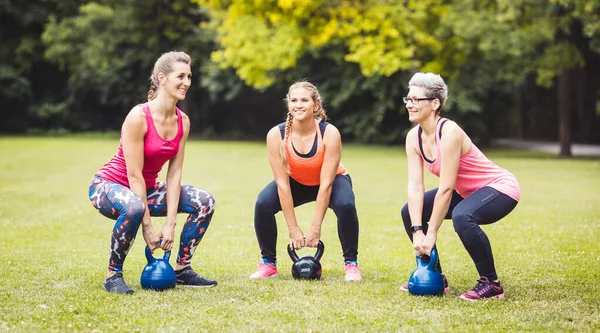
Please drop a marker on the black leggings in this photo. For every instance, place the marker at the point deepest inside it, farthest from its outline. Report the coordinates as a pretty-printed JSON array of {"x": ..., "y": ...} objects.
[
  {"x": 341, "y": 201},
  {"x": 484, "y": 206}
]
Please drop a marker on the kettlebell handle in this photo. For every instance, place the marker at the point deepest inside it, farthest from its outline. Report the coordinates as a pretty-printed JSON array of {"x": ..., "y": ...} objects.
[
  {"x": 318, "y": 255},
  {"x": 433, "y": 257},
  {"x": 320, "y": 251},
  {"x": 151, "y": 258}
]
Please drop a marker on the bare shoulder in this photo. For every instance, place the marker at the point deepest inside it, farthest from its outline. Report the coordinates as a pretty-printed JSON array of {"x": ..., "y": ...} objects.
[
  {"x": 136, "y": 116},
  {"x": 452, "y": 129},
  {"x": 411, "y": 135},
  {"x": 185, "y": 119},
  {"x": 184, "y": 116},
  {"x": 274, "y": 135},
  {"x": 331, "y": 130}
]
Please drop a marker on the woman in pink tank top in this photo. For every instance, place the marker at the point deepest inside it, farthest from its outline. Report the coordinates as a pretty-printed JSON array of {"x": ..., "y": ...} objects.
[
  {"x": 472, "y": 190},
  {"x": 126, "y": 188}
]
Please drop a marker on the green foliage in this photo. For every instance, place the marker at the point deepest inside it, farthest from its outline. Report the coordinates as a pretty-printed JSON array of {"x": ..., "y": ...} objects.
[
  {"x": 260, "y": 39},
  {"x": 55, "y": 247},
  {"x": 109, "y": 47},
  {"x": 361, "y": 54}
]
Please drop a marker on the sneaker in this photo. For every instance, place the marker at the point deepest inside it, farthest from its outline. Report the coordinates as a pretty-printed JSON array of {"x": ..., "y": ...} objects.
[
  {"x": 265, "y": 269},
  {"x": 484, "y": 289},
  {"x": 188, "y": 278},
  {"x": 116, "y": 284},
  {"x": 352, "y": 272},
  {"x": 404, "y": 287}
]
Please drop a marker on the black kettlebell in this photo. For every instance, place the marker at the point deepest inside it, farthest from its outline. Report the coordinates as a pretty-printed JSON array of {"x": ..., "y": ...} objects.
[{"x": 307, "y": 267}]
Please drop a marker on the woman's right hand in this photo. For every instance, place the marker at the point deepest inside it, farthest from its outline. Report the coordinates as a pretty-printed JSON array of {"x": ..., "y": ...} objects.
[
  {"x": 151, "y": 238},
  {"x": 418, "y": 238},
  {"x": 296, "y": 238}
]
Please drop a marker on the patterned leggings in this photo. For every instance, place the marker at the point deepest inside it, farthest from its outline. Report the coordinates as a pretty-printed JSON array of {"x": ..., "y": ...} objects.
[{"x": 120, "y": 203}]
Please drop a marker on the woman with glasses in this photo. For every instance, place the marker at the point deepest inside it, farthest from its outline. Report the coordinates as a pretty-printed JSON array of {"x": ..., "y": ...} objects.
[{"x": 472, "y": 190}]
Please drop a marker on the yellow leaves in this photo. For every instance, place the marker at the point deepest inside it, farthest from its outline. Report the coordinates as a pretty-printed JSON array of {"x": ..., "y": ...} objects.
[
  {"x": 261, "y": 37},
  {"x": 285, "y": 4},
  {"x": 274, "y": 17},
  {"x": 433, "y": 67},
  {"x": 326, "y": 32},
  {"x": 256, "y": 50}
]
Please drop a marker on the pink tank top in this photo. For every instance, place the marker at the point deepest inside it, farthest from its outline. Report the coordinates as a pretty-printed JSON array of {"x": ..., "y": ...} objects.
[
  {"x": 475, "y": 170},
  {"x": 156, "y": 153}
]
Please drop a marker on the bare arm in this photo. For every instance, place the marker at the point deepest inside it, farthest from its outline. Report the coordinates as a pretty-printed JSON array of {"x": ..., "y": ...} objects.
[
  {"x": 174, "y": 188},
  {"x": 134, "y": 130},
  {"x": 333, "y": 154},
  {"x": 450, "y": 148},
  {"x": 415, "y": 188},
  {"x": 283, "y": 188}
]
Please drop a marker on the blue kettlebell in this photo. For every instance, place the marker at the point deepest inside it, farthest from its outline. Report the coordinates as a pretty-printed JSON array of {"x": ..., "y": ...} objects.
[
  {"x": 307, "y": 267},
  {"x": 158, "y": 273},
  {"x": 426, "y": 279}
]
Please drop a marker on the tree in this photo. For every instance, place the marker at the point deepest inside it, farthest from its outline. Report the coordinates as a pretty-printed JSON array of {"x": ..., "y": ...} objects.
[{"x": 108, "y": 49}]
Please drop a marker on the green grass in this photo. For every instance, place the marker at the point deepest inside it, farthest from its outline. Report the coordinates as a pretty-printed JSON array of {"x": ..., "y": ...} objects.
[{"x": 54, "y": 250}]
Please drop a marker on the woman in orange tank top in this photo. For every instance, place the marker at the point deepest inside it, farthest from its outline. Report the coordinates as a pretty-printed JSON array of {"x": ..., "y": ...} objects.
[{"x": 304, "y": 153}]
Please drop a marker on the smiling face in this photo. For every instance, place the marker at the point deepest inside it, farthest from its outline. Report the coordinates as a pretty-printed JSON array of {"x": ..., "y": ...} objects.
[
  {"x": 178, "y": 81},
  {"x": 420, "y": 109},
  {"x": 301, "y": 104}
]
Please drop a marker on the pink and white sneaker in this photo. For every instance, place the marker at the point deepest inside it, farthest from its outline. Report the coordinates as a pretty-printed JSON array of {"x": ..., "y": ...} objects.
[
  {"x": 352, "y": 272},
  {"x": 265, "y": 270},
  {"x": 484, "y": 289}
]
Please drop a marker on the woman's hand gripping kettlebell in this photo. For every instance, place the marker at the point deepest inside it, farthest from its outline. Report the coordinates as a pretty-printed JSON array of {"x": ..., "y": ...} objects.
[
  {"x": 296, "y": 238},
  {"x": 312, "y": 237}
]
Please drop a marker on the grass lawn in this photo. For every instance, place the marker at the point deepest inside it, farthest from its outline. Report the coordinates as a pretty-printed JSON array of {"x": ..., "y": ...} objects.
[{"x": 54, "y": 250}]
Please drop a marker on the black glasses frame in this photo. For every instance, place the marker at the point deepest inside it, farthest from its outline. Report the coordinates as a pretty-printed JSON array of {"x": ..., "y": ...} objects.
[{"x": 416, "y": 100}]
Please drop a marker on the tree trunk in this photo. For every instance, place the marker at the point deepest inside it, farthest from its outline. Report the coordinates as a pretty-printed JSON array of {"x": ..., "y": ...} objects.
[
  {"x": 586, "y": 102},
  {"x": 565, "y": 110},
  {"x": 522, "y": 113}
]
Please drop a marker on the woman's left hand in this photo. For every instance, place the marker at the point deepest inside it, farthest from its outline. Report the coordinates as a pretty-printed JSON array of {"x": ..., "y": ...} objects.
[
  {"x": 312, "y": 237},
  {"x": 426, "y": 245},
  {"x": 168, "y": 235}
]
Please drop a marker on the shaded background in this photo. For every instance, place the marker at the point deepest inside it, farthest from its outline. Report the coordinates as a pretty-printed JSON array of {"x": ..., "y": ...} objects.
[{"x": 520, "y": 69}]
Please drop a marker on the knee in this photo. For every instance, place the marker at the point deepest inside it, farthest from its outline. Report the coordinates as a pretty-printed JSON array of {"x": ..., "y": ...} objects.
[
  {"x": 135, "y": 209},
  {"x": 405, "y": 215},
  {"x": 200, "y": 200},
  {"x": 263, "y": 204},
  {"x": 344, "y": 207},
  {"x": 462, "y": 221},
  {"x": 211, "y": 203}
]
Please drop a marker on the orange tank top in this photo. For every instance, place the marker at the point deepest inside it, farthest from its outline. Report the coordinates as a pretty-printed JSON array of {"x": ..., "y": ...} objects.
[{"x": 306, "y": 170}]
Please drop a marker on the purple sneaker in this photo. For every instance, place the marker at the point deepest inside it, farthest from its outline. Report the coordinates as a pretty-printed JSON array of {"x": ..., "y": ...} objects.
[
  {"x": 484, "y": 289},
  {"x": 404, "y": 287}
]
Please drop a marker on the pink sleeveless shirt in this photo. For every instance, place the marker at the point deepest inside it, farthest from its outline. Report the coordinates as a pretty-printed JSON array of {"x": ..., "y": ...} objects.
[
  {"x": 475, "y": 170},
  {"x": 156, "y": 153}
]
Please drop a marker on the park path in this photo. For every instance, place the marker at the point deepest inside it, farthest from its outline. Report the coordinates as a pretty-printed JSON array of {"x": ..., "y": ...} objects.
[{"x": 578, "y": 150}]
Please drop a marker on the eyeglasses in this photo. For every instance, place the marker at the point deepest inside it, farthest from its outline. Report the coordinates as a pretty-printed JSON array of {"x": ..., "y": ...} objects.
[{"x": 415, "y": 101}]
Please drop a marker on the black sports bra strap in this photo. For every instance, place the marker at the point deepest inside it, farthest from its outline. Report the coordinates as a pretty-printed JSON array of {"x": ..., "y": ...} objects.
[
  {"x": 444, "y": 120},
  {"x": 322, "y": 126},
  {"x": 282, "y": 130}
]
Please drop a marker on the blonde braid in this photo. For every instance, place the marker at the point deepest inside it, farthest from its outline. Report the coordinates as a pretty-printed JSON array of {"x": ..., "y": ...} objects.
[
  {"x": 286, "y": 137},
  {"x": 153, "y": 88}
]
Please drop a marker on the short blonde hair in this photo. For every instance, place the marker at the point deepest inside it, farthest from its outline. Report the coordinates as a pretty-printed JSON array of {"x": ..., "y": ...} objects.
[{"x": 434, "y": 86}]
